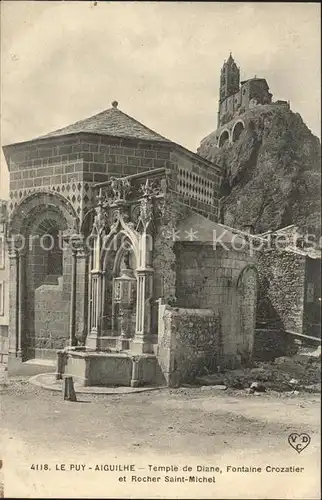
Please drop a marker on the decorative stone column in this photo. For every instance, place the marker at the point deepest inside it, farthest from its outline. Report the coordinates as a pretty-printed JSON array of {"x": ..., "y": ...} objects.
[
  {"x": 96, "y": 276},
  {"x": 82, "y": 297},
  {"x": 92, "y": 340},
  {"x": 21, "y": 304},
  {"x": 77, "y": 310},
  {"x": 16, "y": 301},
  {"x": 72, "y": 314},
  {"x": 123, "y": 341},
  {"x": 13, "y": 303},
  {"x": 135, "y": 377},
  {"x": 142, "y": 341},
  {"x": 124, "y": 290}
]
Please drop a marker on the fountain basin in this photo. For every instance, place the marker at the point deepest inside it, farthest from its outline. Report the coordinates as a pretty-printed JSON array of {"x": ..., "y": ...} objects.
[{"x": 94, "y": 368}]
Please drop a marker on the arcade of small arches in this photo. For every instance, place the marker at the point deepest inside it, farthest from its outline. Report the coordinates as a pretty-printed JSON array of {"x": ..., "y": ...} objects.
[{"x": 231, "y": 135}]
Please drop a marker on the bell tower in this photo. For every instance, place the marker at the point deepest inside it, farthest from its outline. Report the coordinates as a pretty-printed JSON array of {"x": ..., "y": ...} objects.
[
  {"x": 229, "y": 85},
  {"x": 229, "y": 79}
]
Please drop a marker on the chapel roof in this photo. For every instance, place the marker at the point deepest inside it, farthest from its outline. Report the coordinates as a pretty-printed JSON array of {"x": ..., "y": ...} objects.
[
  {"x": 112, "y": 122},
  {"x": 197, "y": 228}
]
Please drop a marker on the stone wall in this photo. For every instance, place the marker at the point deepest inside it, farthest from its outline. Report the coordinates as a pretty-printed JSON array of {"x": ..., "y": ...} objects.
[
  {"x": 189, "y": 343},
  {"x": 46, "y": 305},
  {"x": 270, "y": 344},
  {"x": 69, "y": 165},
  {"x": 207, "y": 278},
  {"x": 282, "y": 277},
  {"x": 312, "y": 298},
  {"x": 163, "y": 249}
]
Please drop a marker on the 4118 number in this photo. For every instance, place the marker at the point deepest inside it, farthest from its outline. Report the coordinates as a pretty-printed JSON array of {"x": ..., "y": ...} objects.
[{"x": 40, "y": 467}]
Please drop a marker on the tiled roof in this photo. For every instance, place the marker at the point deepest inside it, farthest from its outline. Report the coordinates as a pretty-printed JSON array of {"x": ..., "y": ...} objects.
[{"x": 112, "y": 122}]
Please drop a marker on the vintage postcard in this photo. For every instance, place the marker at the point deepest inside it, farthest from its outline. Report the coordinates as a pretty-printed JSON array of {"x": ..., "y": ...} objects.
[{"x": 160, "y": 250}]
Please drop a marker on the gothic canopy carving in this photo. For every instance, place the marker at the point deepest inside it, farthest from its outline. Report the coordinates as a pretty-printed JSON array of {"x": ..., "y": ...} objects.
[{"x": 121, "y": 203}]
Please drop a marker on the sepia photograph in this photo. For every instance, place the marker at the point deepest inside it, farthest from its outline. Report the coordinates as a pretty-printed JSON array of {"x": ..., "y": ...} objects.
[{"x": 160, "y": 250}]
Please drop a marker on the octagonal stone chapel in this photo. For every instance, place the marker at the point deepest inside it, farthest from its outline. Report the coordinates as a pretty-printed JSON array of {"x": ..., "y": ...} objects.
[{"x": 114, "y": 271}]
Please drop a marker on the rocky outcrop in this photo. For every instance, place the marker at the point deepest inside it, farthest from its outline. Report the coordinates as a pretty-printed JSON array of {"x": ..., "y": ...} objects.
[{"x": 271, "y": 174}]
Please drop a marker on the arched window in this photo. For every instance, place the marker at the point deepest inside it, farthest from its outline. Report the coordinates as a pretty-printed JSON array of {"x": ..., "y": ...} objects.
[
  {"x": 239, "y": 127},
  {"x": 223, "y": 138}
]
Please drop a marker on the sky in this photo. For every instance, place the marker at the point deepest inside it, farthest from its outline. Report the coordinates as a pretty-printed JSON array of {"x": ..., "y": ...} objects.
[{"x": 65, "y": 61}]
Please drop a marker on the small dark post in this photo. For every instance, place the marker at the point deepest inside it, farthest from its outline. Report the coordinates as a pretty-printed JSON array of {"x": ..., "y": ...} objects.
[
  {"x": 61, "y": 362},
  {"x": 135, "y": 380},
  {"x": 69, "y": 393}
]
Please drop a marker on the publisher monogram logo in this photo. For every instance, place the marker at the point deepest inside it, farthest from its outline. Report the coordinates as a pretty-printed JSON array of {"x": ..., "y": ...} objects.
[{"x": 299, "y": 441}]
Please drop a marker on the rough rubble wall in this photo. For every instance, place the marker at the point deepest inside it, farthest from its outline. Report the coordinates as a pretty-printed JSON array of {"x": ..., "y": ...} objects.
[
  {"x": 281, "y": 289},
  {"x": 164, "y": 258},
  {"x": 271, "y": 173},
  {"x": 165, "y": 344},
  {"x": 192, "y": 338},
  {"x": 270, "y": 344}
]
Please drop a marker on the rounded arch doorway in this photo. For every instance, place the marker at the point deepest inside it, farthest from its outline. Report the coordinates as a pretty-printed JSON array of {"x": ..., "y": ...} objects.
[{"x": 40, "y": 319}]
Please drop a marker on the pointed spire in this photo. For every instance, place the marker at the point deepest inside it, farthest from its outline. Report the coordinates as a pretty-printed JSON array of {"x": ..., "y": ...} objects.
[{"x": 230, "y": 59}]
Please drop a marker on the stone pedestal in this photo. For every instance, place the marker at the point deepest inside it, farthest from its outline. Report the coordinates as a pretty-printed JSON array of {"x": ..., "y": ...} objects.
[
  {"x": 92, "y": 341},
  {"x": 123, "y": 343},
  {"x": 142, "y": 346},
  {"x": 135, "y": 379},
  {"x": 107, "y": 342}
]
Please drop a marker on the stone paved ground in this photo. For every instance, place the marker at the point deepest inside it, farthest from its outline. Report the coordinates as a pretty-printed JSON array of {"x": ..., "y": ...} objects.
[{"x": 182, "y": 426}]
